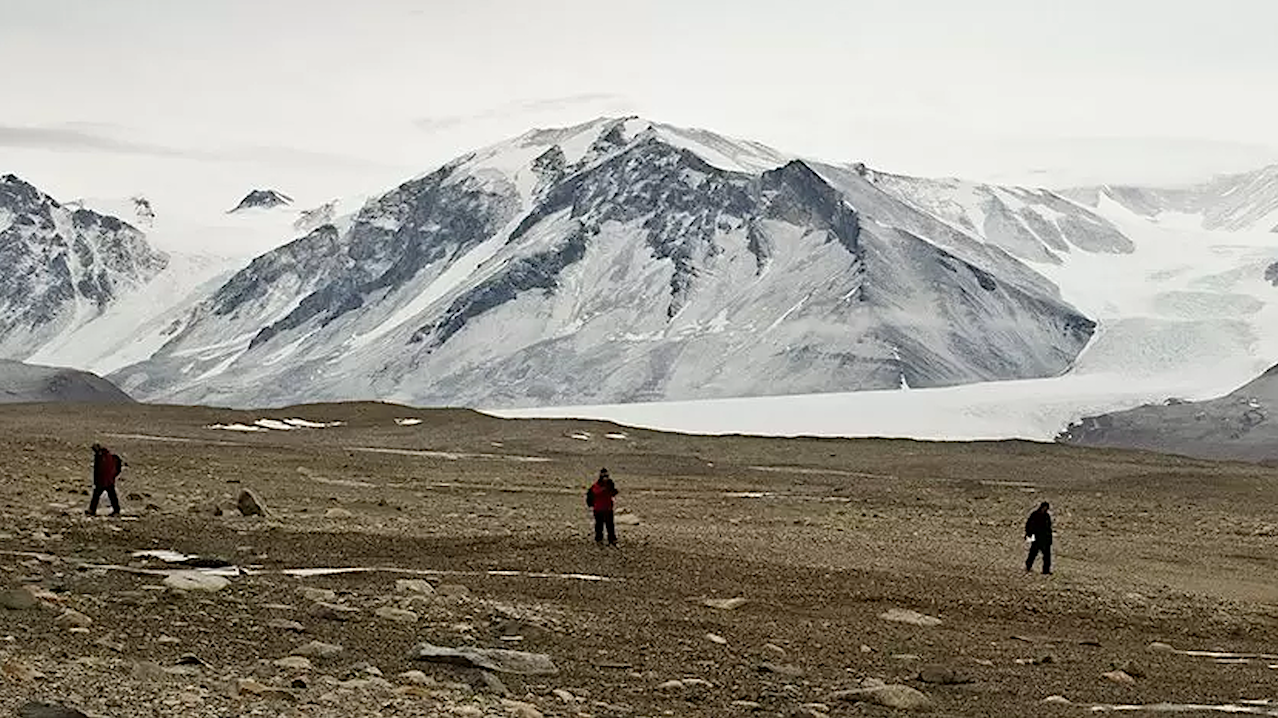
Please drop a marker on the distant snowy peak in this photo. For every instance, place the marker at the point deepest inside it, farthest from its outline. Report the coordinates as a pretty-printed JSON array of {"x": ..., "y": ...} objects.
[
  {"x": 64, "y": 265},
  {"x": 1235, "y": 203},
  {"x": 263, "y": 199}
]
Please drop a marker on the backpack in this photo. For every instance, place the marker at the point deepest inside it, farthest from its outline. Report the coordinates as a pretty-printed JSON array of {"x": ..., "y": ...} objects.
[{"x": 116, "y": 465}]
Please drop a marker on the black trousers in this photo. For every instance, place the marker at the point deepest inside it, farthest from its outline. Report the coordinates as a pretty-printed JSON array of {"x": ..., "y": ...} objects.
[
  {"x": 603, "y": 519},
  {"x": 97, "y": 494},
  {"x": 1035, "y": 548}
]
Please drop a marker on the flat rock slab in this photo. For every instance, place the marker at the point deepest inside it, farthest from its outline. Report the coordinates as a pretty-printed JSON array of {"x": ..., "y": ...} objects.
[
  {"x": 48, "y": 710},
  {"x": 195, "y": 581},
  {"x": 902, "y": 615},
  {"x": 498, "y": 660},
  {"x": 891, "y": 696}
]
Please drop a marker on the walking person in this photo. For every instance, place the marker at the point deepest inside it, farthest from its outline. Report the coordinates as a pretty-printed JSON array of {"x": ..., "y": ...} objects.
[
  {"x": 1038, "y": 534},
  {"x": 599, "y": 497},
  {"x": 106, "y": 467}
]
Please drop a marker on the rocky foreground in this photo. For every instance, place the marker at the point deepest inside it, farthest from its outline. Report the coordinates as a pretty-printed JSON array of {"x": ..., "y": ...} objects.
[{"x": 757, "y": 577}]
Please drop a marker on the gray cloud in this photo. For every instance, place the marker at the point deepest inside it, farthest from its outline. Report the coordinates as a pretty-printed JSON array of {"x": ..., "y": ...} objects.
[
  {"x": 522, "y": 107},
  {"x": 97, "y": 137}
]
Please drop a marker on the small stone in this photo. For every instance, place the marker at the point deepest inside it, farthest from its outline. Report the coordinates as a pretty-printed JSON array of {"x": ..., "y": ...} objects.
[
  {"x": 284, "y": 624},
  {"x": 748, "y": 705},
  {"x": 774, "y": 648},
  {"x": 417, "y": 678},
  {"x": 781, "y": 669},
  {"x": 725, "y": 604},
  {"x": 942, "y": 675},
  {"x": 71, "y": 618},
  {"x": 250, "y": 504},
  {"x": 338, "y": 513},
  {"x": 452, "y": 590},
  {"x": 493, "y": 683},
  {"x": 716, "y": 638},
  {"x": 332, "y": 611},
  {"x": 19, "y": 672},
  {"x": 1130, "y": 668},
  {"x": 520, "y": 709},
  {"x": 19, "y": 599},
  {"x": 563, "y": 695},
  {"x": 417, "y": 586},
  {"x": 396, "y": 614},
  {"x": 672, "y": 685},
  {"x": 294, "y": 663},
  {"x": 866, "y": 649},
  {"x": 1120, "y": 677},
  {"x": 1159, "y": 646},
  {"x": 697, "y": 683},
  {"x": 1061, "y": 700},
  {"x": 317, "y": 649},
  {"x": 195, "y": 581},
  {"x": 318, "y": 595}
]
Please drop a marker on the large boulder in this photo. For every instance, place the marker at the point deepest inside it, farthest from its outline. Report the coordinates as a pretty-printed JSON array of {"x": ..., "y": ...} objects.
[{"x": 250, "y": 504}]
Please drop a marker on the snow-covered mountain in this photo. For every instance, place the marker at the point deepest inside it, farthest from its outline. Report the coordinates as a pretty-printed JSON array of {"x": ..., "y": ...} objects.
[
  {"x": 624, "y": 260},
  {"x": 1236, "y": 202},
  {"x": 64, "y": 266}
]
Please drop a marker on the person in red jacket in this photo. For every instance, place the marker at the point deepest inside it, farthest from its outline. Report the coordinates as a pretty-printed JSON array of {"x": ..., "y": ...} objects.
[
  {"x": 106, "y": 467},
  {"x": 599, "y": 498}
]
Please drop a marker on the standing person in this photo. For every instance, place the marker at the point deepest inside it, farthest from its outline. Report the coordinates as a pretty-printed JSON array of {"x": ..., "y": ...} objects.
[
  {"x": 1038, "y": 534},
  {"x": 106, "y": 467},
  {"x": 599, "y": 498}
]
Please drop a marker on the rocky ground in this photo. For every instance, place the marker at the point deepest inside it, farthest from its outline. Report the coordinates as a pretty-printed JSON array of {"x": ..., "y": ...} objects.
[{"x": 766, "y": 577}]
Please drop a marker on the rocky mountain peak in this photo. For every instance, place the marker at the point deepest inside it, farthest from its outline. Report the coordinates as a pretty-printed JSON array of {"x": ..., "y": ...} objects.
[{"x": 263, "y": 199}]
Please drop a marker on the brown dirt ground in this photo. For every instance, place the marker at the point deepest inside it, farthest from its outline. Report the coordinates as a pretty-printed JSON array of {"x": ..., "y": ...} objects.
[{"x": 820, "y": 535}]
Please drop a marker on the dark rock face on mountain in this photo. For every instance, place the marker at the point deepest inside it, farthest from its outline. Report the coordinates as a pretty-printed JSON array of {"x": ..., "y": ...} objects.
[
  {"x": 62, "y": 265},
  {"x": 262, "y": 199},
  {"x": 1242, "y": 425},
  {"x": 32, "y": 383},
  {"x": 614, "y": 262}
]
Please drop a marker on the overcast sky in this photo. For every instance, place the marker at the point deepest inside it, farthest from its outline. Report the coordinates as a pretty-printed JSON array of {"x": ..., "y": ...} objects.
[{"x": 208, "y": 98}]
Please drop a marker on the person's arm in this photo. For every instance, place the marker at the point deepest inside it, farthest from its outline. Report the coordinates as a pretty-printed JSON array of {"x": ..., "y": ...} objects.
[{"x": 1029, "y": 526}]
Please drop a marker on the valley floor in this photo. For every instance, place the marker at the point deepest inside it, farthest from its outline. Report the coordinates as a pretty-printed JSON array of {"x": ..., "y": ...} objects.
[{"x": 821, "y": 537}]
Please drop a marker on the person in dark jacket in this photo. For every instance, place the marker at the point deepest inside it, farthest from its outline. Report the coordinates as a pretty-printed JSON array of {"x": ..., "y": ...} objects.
[
  {"x": 1038, "y": 534},
  {"x": 599, "y": 497},
  {"x": 106, "y": 467}
]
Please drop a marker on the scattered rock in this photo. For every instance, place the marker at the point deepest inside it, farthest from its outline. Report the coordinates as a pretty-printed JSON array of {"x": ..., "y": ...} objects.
[
  {"x": 71, "y": 618},
  {"x": 781, "y": 669},
  {"x": 417, "y": 586},
  {"x": 565, "y": 696},
  {"x": 190, "y": 659},
  {"x": 902, "y": 615},
  {"x": 294, "y": 663},
  {"x": 195, "y": 581},
  {"x": 19, "y": 599},
  {"x": 396, "y": 614},
  {"x": 250, "y": 504},
  {"x": 891, "y": 696},
  {"x": 725, "y": 604},
  {"x": 48, "y": 710},
  {"x": 942, "y": 675},
  {"x": 672, "y": 685},
  {"x": 748, "y": 705},
  {"x": 774, "y": 648},
  {"x": 1132, "y": 669},
  {"x": 317, "y": 649},
  {"x": 627, "y": 519},
  {"x": 493, "y": 659},
  {"x": 1061, "y": 700},
  {"x": 1120, "y": 677},
  {"x": 716, "y": 638},
  {"x": 1160, "y": 647},
  {"x": 338, "y": 513},
  {"x": 453, "y": 590}
]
